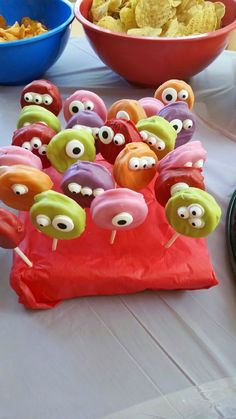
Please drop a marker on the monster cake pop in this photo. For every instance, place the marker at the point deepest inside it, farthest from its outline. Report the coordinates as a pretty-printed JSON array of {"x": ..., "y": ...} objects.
[
  {"x": 83, "y": 181},
  {"x": 174, "y": 91},
  {"x": 191, "y": 154},
  {"x": 182, "y": 120},
  {"x": 35, "y": 138},
  {"x": 118, "y": 209},
  {"x": 151, "y": 105},
  {"x": 42, "y": 93},
  {"x": 192, "y": 213},
  {"x": 12, "y": 233},
  {"x": 171, "y": 181},
  {"x": 11, "y": 156},
  {"x": 135, "y": 166},
  {"x": 158, "y": 134},
  {"x": 128, "y": 109},
  {"x": 84, "y": 100},
  {"x": 114, "y": 136},
  {"x": 34, "y": 113},
  {"x": 69, "y": 146},
  {"x": 58, "y": 216},
  {"x": 19, "y": 185}
]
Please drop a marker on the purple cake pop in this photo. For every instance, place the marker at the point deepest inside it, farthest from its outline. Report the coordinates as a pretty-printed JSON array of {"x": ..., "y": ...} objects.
[
  {"x": 182, "y": 119},
  {"x": 83, "y": 181}
]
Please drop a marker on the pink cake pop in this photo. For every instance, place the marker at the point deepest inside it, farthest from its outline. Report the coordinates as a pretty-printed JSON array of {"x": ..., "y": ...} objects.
[
  {"x": 151, "y": 105},
  {"x": 119, "y": 209},
  {"x": 191, "y": 154},
  {"x": 11, "y": 156},
  {"x": 84, "y": 100},
  {"x": 12, "y": 232}
]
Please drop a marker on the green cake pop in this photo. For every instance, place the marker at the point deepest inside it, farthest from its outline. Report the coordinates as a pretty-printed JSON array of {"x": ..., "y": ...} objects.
[
  {"x": 158, "y": 134},
  {"x": 34, "y": 113},
  {"x": 69, "y": 146}
]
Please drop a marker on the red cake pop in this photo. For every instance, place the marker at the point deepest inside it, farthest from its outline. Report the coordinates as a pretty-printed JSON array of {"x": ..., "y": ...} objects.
[{"x": 42, "y": 93}]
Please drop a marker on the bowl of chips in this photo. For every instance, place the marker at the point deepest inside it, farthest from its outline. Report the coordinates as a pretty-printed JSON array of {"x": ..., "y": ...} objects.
[
  {"x": 150, "y": 41},
  {"x": 33, "y": 35}
]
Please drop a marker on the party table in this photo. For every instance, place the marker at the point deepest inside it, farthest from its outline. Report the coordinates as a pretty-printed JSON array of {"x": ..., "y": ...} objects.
[{"x": 152, "y": 354}]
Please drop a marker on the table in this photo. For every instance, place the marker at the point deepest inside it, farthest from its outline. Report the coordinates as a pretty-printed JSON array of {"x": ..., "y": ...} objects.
[{"x": 165, "y": 354}]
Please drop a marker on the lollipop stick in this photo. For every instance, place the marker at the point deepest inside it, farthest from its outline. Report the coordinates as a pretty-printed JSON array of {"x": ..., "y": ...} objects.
[
  {"x": 113, "y": 236},
  {"x": 172, "y": 240},
  {"x": 54, "y": 245},
  {"x": 23, "y": 257}
]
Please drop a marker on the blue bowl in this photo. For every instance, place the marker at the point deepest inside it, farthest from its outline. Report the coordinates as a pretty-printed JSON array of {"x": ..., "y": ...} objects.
[{"x": 27, "y": 59}]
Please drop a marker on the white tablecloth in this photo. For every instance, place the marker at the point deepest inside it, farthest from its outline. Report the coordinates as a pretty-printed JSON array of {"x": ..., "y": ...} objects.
[{"x": 91, "y": 357}]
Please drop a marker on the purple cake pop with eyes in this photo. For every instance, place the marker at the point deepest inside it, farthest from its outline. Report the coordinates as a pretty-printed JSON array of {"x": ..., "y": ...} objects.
[
  {"x": 83, "y": 181},
  {"x": 182, "y": 119}
]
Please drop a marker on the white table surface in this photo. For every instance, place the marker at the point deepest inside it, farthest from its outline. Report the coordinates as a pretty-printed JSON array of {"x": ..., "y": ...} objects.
[{"x": 156, "y": 354}]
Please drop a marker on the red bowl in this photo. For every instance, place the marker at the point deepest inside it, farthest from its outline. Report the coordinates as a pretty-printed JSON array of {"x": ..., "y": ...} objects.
[{"x": 151, "y": 61}]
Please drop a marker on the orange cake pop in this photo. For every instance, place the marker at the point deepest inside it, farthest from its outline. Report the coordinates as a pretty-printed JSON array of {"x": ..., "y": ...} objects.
[
  {"x": 128, "y": 109},
  {"x": 175, "y": 91}
]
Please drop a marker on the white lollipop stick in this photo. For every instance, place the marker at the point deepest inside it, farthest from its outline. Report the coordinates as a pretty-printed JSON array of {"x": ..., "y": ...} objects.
[
  {"x": 54, "y": 245},
  {"x": 23, "y": 257},
  {"x": 172, "y": 240},
  {"x": 113, "y": 236}
]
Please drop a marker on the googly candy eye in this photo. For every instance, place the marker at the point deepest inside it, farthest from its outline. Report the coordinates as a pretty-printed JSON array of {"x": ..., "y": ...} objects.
[
  {"x": 95, "y": 132},
  {"x": 36, "y": 143},
  {"x": 196, "y": 210},
  {"x": 144, "y": 163},
  {"x": 26, "y": 124},
  {"x": 199, "y": 164},
  {"x": 144, "y": 135},
  {"x": 152, "y": 141},
  {"x": 43, "y": 150},
  {"x": 183, "y": 212},
  {"x": 187, "y": 124},
  {"x": 88, "y": 106},
  {"x": 27, "y": 146},
  {"x": 106, "y": 135},
  {"x": 20, "y": 189},
  {"x": 43, "y": 220},
  {"x": 28, "y": 97},
  {"x": 134, "y": 163},
  {"x": 178, "y": 187},
  {"x": 119, "y": 139},
  {"x": 47, "y": 99},
  {"x": 169, "y": 95},
  {"x": 38, "y": 99},
  {"x": 63, "y": 223},
  {"x": 74, "y": 188},
  {"x": 183, "y": 94},
  {"x": 86, "y": 191},
  {"x": 123, "y": 115},
  {"x": 151, "y": 162},
  {"x": 188, "y": 164},
  {"x": 98, "y": 191},
  {"x": 76, "y": 106},
  {"x": 123, "y": 219},
  {"x": 160, "y": 145},
  {"x": 177, "y": 125},
  {"x": 196, "y": 222},
  {"x": 74, "y": 149}
]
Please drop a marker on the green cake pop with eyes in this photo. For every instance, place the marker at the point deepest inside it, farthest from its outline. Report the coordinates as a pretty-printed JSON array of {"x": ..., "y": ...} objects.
[
  {"x": 58, "y": 216},
  {"x": 34, "y": 113},
  {"x": 158, "y": 134},
  {"x": 193, "y": 212},
  {"x": 69, "y": 146}
]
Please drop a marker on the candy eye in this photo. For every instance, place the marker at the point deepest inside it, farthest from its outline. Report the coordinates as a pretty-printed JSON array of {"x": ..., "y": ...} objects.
[
  {"x": 98, "y": 191},
  {"x": 19, "y": 189},
  {"x": 95, "y": 132},
  {"x": 74, "y": 149},
  {"x": 144, "y": 135},
  {"x": 178, "y": 187},
  {"x": 196, "y": 210},
  {"x": 188, "y": 164},
  {"x": 123, "y": 115},
  {"x": 88, "y": 106},
  {"x": 151, "y": 162},
  {"x": 177, "y": 125},
  {"x": 106, "y": 134},
  {"x": 144, "y": 163},
  {"x": 26, "y": 124},
  {"x": 183, "y": 95},
  {"x": 77, "y": 127},
  {"x": 119, "y": 139},
  {"x": 38, "y": 99},
  {"x": 86, "y": 191},
  {"x": 187, "y": 124},
  {"x": 28, "y": 97},
  {"x": 47, "y": 99},
  {"x": 183, "y": 212},
  {"x": 199, "y": 164},
  {"x": 43, "y": 220},
  {"x": 196, "y": 222},
  {"x": 151, "y": 141},
  {"x": 63, "y": 223},
  {"x": 36, "y": 142},
  {"x": 27, "y": 145},
  {"x": 169, "y": 95},
  {"x": 160, "y": 145},
  {"x": 76, "y": 106},
  {"x": 122, "y": 220},
  {"x": 43, "y": 150},
  {"x": 134, "y": 163},
  {"x": 74, "y": 187}
]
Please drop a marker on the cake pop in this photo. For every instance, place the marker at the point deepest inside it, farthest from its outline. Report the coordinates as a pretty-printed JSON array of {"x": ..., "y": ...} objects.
[
  {"x": 151, "y": 105},
  {"x": 128, "y": 109},
  {"x": 34, "y": 113},
  {"x": 42, "y": 93},
  {"x": 191, "y": 154},
  {"x": 84, "y": 100},
  {"x": 174, "y": 91},
  {"x": 11, "y": 156}
]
